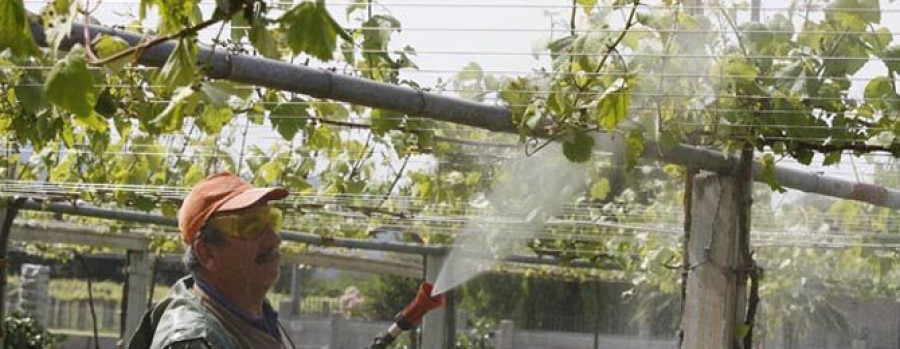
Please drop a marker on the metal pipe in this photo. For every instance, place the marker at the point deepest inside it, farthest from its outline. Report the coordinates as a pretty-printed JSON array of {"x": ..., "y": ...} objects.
[{"x": 322, "y": 83}]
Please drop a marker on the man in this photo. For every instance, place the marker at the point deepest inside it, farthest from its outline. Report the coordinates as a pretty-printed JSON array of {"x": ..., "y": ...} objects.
[{"x": 232, "y": 238}]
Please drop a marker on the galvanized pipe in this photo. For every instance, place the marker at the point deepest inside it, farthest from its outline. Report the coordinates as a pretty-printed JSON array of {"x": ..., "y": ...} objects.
[{"x": 322, "y": 83}]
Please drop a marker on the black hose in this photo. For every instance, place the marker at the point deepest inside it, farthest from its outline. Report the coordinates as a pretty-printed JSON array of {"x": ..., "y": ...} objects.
[{"x": 87, "y": 272}]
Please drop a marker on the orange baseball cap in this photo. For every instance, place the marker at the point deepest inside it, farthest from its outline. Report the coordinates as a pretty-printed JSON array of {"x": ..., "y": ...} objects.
[{"x": 219, "y": 192}]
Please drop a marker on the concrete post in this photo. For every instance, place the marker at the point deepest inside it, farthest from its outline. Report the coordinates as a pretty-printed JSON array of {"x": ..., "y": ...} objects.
[
  {"x": 714, "y": 303},
  {"x": 337, "y": 330},
  {"x": 138, "y": 289},
  {"x": 295, "y": 290},
  {"x": 462, "y": 319},
  {"x": 437, "y": 327},
  {"x": 34, "y": 291},
  {"x": 506, "y": 335}
]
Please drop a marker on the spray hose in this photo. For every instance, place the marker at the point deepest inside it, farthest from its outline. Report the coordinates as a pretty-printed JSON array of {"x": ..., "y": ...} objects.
[{"x": 407, "y": 318}]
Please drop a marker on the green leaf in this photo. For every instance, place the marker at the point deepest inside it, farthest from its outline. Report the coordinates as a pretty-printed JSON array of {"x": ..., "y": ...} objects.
[
  {"x": 757, "y": 35},
  {"x": 587, "y": 4},
  {"x": 214, "y": 119},
  {"x": 264, "y": 40},
  {"x": 218, "y": 93},
  {"x": 767, "y": 172},
  {"x": 879, "y": 39},
  {"x": 30, "y": 97},
  {"x": 385, "y": 120},
  {"x": 613, "y": 106},
  {"x": 578, "y": 147},
  {"x": 289, "y": 118},
  {"x": 323, "y": 138},
  {"x": 271, "y": 171},
  {"x": 106, "y": 46},
  {"x": 600, "y": 189},
  {"x": 891, "y": 57},
  {"x": 183, "y": 102},
  {"x": 879, "y": 88},
  {"x": 181, "y": 66},
  {"x": 168, "y": 210},
  {"x": 92, "y": 121},
  {"x": 311, "y": 30},
  {"x": 15, "y": 33},
  {"x": 854, "y": 14},
  {"x": 239, "y": 26},
  {"x": 470, "y": 72},
  {"x": 331, "y": 110},
  {"x": 378, "y": 32},
  {"x": 634, "y": 148},
  {"x": 832, "y": 158},
  {"x": 70, "y": 85},
  {"x": 194, "y": 174},
  {"x": 357, "y": 5}
]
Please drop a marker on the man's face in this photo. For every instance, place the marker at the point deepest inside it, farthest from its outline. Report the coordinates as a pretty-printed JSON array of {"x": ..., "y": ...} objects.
[{"x": 251, "y": 259}]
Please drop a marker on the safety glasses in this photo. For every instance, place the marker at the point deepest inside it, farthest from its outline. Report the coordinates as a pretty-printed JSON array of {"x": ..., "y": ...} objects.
[{"x": 249, "y": 223}]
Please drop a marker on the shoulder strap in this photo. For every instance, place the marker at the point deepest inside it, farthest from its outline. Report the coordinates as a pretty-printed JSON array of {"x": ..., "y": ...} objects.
[{"x": 143, "y": 335}]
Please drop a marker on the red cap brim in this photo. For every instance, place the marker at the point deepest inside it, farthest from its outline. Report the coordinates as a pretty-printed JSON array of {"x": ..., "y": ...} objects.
[{"x": 251, "y": 197}]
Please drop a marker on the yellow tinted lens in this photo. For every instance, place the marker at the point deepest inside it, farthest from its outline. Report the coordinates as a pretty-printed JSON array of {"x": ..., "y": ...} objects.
[{"x": 248, "y": 223}]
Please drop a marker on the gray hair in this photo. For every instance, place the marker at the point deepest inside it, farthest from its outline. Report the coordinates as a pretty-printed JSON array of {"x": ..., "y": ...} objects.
[{"x": 207, "y": 235}]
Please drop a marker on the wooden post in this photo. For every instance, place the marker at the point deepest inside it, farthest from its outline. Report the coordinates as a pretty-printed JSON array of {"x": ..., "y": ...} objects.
[
  {"x": 437, "y": 329},
  {"x": 138, "y": 265},
  {"x": 714, "y": 304}
]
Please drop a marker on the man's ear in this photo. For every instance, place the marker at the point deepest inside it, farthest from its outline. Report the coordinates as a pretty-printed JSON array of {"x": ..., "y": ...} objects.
[{"x": 205, "y": 255}]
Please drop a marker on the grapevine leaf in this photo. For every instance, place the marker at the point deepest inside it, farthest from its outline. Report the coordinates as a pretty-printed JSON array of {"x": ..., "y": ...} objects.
[
  {"x": 613, "y": 106},
  {"x": 181, "y": 67},
  {"x": 218, "y": 93},
  {"x": 600, "y": 189},
  {"x": 14, "y": 31},
  {"x": 578, "y": 146},
  {"x": 891, "y": 57},
  {"x": 385, "y": 120},
  {"x": 634, "y": 148},
  {"x": 767, "y": 173},
  {"x": 183, "y": 102},
  {"x": 214, "y": 119},
  {"x": 271, "y": 171},
  {"x": 357, "y": 5},
  {"x": 879, "y": 92},
  {"x": 290, "y": 117},
  {"x": 106, "y": 104},
  {"x": 378, "y": 32},
  {"x": 194, "y": 175},
  {"x": 70, "y": 85},
  {"x": 264, "y": 40},
  {"x": 311, "y": 30},
  {"x": 854, "y": 14},
  {"x": 832, "y": 158},
  {"x": 587, "y": 4},
  {"x": 471, "y": 72},
  {"x": 239, "y": 26},
  {"x": 106, "y": 46},
  {"x": 30, "y": 95}
]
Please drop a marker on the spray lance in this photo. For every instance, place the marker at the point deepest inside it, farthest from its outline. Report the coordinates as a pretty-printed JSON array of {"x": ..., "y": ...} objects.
[{"x": 410, "y": 315}]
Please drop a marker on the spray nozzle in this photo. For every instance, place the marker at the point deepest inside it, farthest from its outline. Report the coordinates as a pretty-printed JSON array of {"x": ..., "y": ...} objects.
[{"x": 423, "y": 303}]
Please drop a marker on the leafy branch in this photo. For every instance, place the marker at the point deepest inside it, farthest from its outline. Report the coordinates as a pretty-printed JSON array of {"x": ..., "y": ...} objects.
[{"x": 152, "y": 42}]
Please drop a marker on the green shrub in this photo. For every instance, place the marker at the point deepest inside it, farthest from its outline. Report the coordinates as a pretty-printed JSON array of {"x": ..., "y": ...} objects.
[{"x": 25, "y": 332}]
